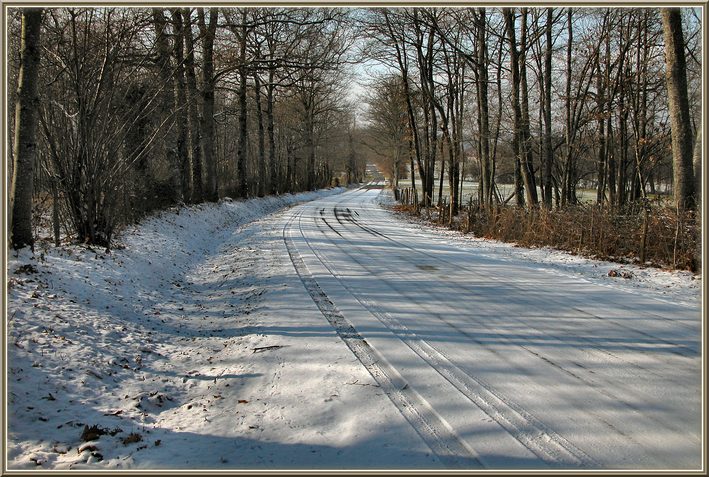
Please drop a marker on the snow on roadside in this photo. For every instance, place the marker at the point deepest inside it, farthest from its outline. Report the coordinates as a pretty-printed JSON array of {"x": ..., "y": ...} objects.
[
  {"x": 191, "y": 346},
  {"x": 676, "y": 286}
]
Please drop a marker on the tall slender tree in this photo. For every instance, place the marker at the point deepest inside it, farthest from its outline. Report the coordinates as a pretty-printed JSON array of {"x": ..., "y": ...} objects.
[
  {"x": 678, "y": 99},
  {"x": 167, "y": 94},
  {"x": 528, "y": 175},
  {"x": 181, "y": 106},
  {"x": 548, "y": 149},
  {"x": 517, "y": 138},
  {"x": 25, "y": 140},
  {"x": 193, "y": 114},
  {"x": 207, "y": 31}
]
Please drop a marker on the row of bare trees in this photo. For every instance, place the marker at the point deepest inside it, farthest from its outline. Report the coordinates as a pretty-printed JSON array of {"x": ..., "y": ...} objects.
[
  {"x": 551, "y": 100},
  {"x": 120, "y": 111},
  {"x": 123, "y": 110}
]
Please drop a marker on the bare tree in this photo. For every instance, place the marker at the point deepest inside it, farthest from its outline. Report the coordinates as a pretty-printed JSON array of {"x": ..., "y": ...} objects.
[
  {"x": 207, "y": 32},
  {"x": 521, "y": 172},
  {"x": 394, "y": 37},
  {"x": 676, "y": 75},
  {"x": 241, "y": 27},
  {"x": 548, "y": 158},
  {"x": 388, "y": 125},
  {"x": 193, "y": 114},
  {"x": 181, "y": 106},
  {"x": 25, "y": 141},
  {"x": 527, "y": 165},
  {"x": 487, "y": 168},
  {"x": 166, "y": 95}
]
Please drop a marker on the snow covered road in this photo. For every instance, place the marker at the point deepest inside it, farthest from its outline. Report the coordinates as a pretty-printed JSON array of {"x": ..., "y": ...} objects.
[
  {"x": 502, "y": 363},
  {"x": 337, "y": 335},
  {"x": 193, "y": 346}
]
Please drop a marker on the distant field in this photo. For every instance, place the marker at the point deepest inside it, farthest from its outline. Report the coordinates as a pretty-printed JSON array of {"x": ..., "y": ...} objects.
[{"x": 470, "y": 188}]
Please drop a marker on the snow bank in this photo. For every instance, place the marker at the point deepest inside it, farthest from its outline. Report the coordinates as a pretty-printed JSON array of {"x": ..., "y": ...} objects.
[{"x": 92, "y": 337}]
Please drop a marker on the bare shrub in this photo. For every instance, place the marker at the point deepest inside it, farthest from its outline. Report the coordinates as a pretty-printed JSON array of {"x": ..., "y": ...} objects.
[{"x": 671, "y": 238}]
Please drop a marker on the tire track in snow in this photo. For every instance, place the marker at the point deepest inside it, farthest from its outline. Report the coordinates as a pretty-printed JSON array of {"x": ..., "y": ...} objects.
[
  {"x": 437, "y": 434},
  {"x": 545, "y": 443},
  {"x": 655, "y": 316},
  {"x": 590, "y": 343},
  {"x": 606, "y": 421}
]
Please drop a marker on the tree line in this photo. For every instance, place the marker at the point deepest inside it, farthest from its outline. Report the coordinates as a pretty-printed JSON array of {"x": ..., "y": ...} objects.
[
  {"x": 119, "y": 111},
  {"x": 551, "y": 100}
]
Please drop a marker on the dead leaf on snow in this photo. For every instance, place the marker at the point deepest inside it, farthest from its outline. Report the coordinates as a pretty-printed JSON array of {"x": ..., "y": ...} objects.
[
  {"x": 132, "y": 438},
  {"x": 92, "y": 433}
]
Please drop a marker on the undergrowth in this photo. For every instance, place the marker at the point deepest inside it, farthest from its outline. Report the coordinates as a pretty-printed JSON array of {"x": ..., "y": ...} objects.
[{"x": 653, "y": 236}]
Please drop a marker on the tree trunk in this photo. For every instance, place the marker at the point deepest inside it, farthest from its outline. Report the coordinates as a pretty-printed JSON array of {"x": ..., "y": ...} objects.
[
  {"x": 697, "y": 158},
  {"x": 440, "y": 178},
  {"x": 680, "y": 121},
  {"x": 623, "y": 146},
  {"x": 167, "y": 101},
  {"x": 207, "y": 31},
  {"x": 483, "y": 108},
  {"x": 352, "y": 159},
  {"x": 434, "y": 117},
  {"x": 567, "y": 192},
  {"x": 270, "y": 128},
  {"x": 610, "y": 149},
  {"x": 526, "y": 140},
  {"x": 411, "y": 160},
  {"x": 548, "y": 151},
  {"x": 261, "y": 138},
  {"x": 25, "y": 140},
  {"x": 459, "y": 149},
  {"x": 600, "y": 114},
  {"x": 181, "y": 102},
  {"x": 518, "y": 138},
  {"x": 310, "y": 145},
  {"x": 640, "y": 117},
  {"x": 194, "y": 123},
  {"x": 425, "y": 63},
  {"x": 612, "y": 166},
  {"x": 242, "y": 152}
]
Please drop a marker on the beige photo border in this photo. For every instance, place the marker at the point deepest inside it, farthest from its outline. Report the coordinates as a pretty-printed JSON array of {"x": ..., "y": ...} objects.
[{"x": 4, "y": 191}]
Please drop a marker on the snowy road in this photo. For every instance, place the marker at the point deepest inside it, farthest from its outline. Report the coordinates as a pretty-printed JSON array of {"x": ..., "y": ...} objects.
[
  {"x": 196, "y": 344},
  {"x": 498, "y": 363}
]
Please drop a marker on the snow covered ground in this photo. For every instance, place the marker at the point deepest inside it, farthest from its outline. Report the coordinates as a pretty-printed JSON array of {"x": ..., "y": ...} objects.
[
  {"x": 197, "y": 345},
  {"x": 501, "y": 360}
]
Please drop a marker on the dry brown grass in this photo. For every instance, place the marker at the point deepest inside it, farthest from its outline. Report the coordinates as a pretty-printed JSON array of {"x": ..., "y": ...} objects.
[{"x": 672, "y": 240}]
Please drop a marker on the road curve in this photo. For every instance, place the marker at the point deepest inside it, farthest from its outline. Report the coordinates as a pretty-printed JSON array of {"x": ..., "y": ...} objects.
[{"x": 497, "y": 365}]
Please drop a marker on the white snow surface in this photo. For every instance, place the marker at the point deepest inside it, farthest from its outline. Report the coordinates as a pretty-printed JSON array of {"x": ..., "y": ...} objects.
[
  {"x": 197, "y": 346},
  {"x": 168, "y": 339}
]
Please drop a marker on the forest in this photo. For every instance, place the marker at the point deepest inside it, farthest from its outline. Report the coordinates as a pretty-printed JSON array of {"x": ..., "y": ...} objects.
[{"x": 573, "y": 127}]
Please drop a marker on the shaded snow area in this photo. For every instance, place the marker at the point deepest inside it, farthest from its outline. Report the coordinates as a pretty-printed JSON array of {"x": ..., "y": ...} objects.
[
  {"x": 676, "y": 286},
  {"x": 502, "y": 361},
  {"x": 337, "y": 334},
  {"x": 194, "y": 346}
]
